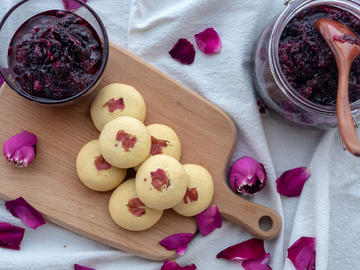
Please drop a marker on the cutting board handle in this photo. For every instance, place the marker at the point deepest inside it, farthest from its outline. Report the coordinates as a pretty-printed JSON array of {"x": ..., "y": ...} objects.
[{"x": 248, "y": 214}]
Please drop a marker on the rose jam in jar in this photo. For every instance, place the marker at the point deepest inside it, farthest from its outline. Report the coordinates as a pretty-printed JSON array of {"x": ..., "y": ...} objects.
[
  {"x": 55, "y": 55},
  {"x": 295, "y": 70},
  {"x": 307, "y": 61}
]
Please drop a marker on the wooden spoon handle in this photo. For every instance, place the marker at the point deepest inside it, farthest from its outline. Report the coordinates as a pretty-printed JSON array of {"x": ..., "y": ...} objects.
[
  {"x": 248, "y": 214},
  {"x": 345, "y": 120}
]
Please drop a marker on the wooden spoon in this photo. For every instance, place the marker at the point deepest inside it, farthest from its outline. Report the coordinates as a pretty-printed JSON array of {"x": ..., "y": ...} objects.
[{"x": 345, "y": 46}]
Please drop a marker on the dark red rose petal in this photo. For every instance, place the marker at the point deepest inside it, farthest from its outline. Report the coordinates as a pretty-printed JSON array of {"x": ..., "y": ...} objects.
[
  {"x": 183, "y": 51},
  {"x": 191, "y": 194},
  {"x": 247, "y": 250},
  {"x": 257, "y": 264},
  {"x": 208, "y": 220},
  {"x": 159, "y": 179},
  {"x": 136, "y": 207},
  {"x": 81, "y": 267},
  {"x": 291, "y": 182},
  {"x": 10, "y": 236},
  {"x": 178, "y": 241},
  {"x": 208, "y": 41},
  {"x": 157, "y": 145},
  {"x": 23, "y": 210},
  {"x": 302, "y": 253},
  {"x": 101, "y": 164},
  {"x": 126, "y": 140},
  {"x": 71, "y": 5},
  {"x": 115, "y": 104},
  {"x": 172, "y": 265}
]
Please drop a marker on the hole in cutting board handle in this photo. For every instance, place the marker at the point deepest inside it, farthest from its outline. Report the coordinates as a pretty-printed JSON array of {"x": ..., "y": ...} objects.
[{"x": 265, "y": 223}]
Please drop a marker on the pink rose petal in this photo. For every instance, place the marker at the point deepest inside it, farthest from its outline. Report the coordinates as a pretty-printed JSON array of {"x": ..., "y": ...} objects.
[
  {"x": 178, "y": 241},
  {"x": 23, "y": 210},
  {"x": 183, "y": 51},
  {"x": 208, "y": 41},
  {"x": 291, "y": 182},
  {"x": 208, "y": 220},
  {"x": 71, "y": 5},
  {"x": 302, "y": 253},
  {"x": 247, "y": 176},
  {"x": 20, "y": 149},
  {"x": 247, "y": 250},
  {"x": 10, "y": 236},
  {"x": 81, "y": 267},
  {"x": 172, "y": 265},
  {"x": 257, "y": 264}
]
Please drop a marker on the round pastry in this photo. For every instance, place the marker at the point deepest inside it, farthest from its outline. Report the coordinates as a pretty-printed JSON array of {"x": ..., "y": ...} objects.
[
  {"x": 125, "y": 142},
  {"x": 93, "y": 170},
  {"x": 164, "y": 141},
  {"x": 161, "y": 182},
  {"x": 199, "y": 193},
  {"x": 116, "y": 100},
  {"x": 128, "y": 211}
]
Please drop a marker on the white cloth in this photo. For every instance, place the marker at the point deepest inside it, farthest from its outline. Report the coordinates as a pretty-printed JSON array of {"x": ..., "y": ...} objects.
[{"x": 327, "y": 207}]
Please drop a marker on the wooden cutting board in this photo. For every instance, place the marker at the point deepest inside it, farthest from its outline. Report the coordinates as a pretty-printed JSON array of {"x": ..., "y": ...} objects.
[{"x": 50, "y": 183}]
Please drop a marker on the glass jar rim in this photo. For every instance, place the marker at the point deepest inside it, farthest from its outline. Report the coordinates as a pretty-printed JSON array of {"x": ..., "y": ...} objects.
[{"x": 292, "y": 9}]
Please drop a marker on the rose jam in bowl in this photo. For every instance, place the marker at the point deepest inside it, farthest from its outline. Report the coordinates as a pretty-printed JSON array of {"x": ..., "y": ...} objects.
[
  {"x": 56, "y": 55},
  {"x": 295, "y": 70}
]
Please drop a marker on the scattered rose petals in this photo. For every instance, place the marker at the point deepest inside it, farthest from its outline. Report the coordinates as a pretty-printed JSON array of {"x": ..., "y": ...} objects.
[
  {"x": 81, "y": 267},
  {"x": 247, "y": 176},
  {"x": 178, "y": 241},
  {"x": 302, "y": 253},
  {"x": 247, "y": 250},
  {"x": 172, "y": 265},
  {"x": 257, "y": 264},
  {"x": 23, "y": 210},
  {"x": 1, "y": 80},
  {"x": 183, "y": 51},
  {"x": 208, "y": 41},
  {"x": 10, "y": 236},
  {"x": 208, "y": 220},
  {"x": 71, "y": 5},
  {"x": 20, "y": 149},
  {"x": 291, "y": 182}
]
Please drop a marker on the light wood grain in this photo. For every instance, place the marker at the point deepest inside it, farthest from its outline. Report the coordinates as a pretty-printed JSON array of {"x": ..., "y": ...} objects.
[{"x": 50, "y": 183}]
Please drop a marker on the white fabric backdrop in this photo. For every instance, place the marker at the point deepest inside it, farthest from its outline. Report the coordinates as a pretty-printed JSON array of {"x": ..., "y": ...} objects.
[{"x": 328, "y": 206}]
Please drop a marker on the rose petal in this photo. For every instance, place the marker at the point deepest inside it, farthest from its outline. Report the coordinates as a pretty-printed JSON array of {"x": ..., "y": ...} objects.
[
  {"x": 250, "y": 249},
  {"x": 1, "y": 80},
  {"x": 10, "y": 236},
  {"x": 291, "y": 182},
  {"x": 23, "y": 210},
  {"x": 302, "y": 253},
  {"x": 81, "y": 267},
  {"x": 172, "y": 265},
  {"x": 71, "y": 5},
  {"x": 208, "y": 220},
  {"x": 183, "y": 51},
  {"x": 247, "y": 176},
  {"x": 178, "y": 241},
  {"x": 208, "y": 41},
  {"x": 257, "y": 264}
]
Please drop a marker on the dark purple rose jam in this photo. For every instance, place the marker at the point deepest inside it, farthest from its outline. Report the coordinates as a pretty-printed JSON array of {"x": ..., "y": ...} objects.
[
  {"x": 55, "y": 54},
  {"x": 307, "y": 61}
]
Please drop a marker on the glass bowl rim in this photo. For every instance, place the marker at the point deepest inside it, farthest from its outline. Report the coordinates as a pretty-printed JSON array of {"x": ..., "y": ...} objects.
[{"x": 93, "y": 84}]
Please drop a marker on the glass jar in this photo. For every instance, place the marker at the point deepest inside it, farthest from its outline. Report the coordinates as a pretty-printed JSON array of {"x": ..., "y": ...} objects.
[{"x": 270, "y": 83}]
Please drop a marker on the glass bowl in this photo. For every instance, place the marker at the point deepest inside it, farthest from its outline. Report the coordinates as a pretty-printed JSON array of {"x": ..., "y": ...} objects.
[{"x": 26, "y": 9}]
